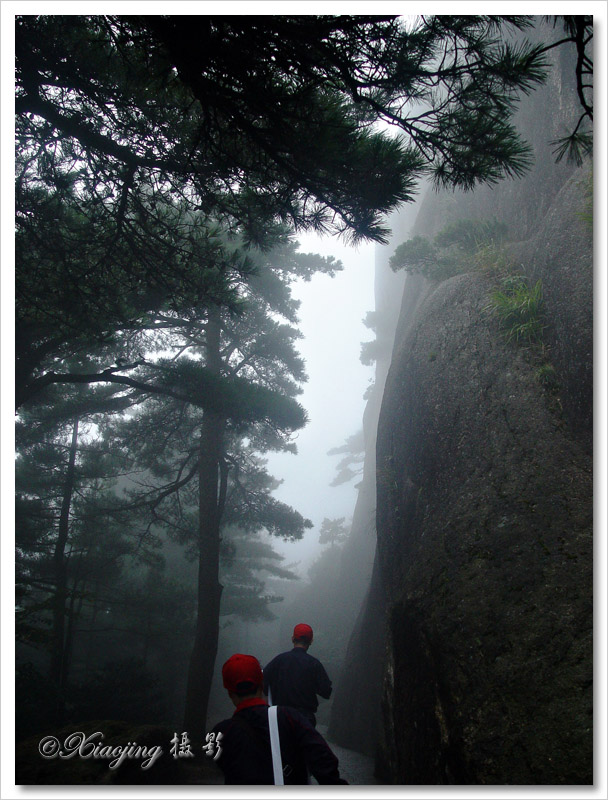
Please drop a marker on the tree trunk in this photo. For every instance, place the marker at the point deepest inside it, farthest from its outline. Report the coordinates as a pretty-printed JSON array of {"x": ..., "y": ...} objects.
[
  {"x": 73, "y": 615},
  {"x": 93, "y": 619},
  {"x": 204, "y": 651},
  {"x": 58, "y": 649}
]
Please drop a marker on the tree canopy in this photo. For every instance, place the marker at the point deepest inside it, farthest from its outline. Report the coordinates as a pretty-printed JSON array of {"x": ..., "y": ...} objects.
[
  {"x": 145, "y": 142},
  {"x": 254, "y": 119}
]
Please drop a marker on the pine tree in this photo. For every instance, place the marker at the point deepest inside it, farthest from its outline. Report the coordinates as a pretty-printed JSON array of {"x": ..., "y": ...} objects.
[
  {"x": 134, "y": 139},
  {"x": 202, "y": 464},
  {"x": 54, "y": 480},
  {"x": 283, "y": 131}
]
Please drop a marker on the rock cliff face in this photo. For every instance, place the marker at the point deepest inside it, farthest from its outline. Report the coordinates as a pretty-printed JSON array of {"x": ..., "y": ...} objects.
[
  {"x": 355, "y": 719},
  {"x": 479, "y": 615},
  {"x": 484, "y": 545}
]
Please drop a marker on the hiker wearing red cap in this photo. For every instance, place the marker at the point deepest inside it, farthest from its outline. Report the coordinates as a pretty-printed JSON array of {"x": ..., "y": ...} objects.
[
  {"x": 295, "y": 678},
  {"x": 244, "y": 746}
]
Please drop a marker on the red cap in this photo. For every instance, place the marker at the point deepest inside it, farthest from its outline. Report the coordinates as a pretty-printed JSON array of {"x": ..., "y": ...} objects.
[
  {"x": 241, "y": 669},
  {"x": 302, "y": 631}
]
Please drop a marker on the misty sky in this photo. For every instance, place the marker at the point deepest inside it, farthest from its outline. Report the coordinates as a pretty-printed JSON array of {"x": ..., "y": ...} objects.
[{"x": 331, "y": 317}]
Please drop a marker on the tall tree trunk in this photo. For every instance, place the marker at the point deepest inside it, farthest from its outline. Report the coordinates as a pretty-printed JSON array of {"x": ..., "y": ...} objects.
[
  {"x": 204, "y": 651},
  {"x": 73, "y": 615},
  {"x": 58, "y": 648},
  {"x": 93, "y": 619},
  {"x": 147, "y": 635}
]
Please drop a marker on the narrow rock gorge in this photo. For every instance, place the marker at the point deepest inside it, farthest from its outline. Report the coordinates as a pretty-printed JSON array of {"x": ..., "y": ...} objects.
[{"x": 477, "y": 626}]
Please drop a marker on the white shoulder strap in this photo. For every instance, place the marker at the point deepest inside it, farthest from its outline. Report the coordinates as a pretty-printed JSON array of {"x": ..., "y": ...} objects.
[{"x": 275, "y": 744}]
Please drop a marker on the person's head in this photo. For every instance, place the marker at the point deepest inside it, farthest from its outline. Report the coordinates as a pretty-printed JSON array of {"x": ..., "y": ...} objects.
[
  {"x": 302, "y": 635},
  {"x": 242, "y": 677}
]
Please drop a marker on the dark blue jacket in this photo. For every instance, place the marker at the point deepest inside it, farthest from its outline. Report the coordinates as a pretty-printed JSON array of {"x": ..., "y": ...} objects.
[
  {"x": 295, "y": 679},
  {"x": 246, "y": 756}
]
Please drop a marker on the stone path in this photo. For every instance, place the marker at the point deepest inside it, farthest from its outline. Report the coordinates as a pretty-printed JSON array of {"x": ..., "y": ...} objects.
[{"x": 355, "y": 767}]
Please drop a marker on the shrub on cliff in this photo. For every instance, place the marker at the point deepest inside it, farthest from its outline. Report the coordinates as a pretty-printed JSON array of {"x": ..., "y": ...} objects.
[
  {"x": 518, "y": 306},
  {"x": 453, "y": 251}
]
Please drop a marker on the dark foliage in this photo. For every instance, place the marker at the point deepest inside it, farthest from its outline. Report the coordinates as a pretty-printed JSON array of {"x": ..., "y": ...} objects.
[
  {"x": 122, "y": 689},
  {"x": 282, "y": 129}
]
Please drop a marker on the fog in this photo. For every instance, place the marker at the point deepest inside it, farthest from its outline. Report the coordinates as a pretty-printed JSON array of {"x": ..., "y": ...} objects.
[
  {"x": 148, "y": 548},
  {"x": 331, "y": 314}
]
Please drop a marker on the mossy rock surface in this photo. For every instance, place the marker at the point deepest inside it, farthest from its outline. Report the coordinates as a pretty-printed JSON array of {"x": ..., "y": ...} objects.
[{"x": 485, "y": 548}]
